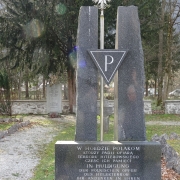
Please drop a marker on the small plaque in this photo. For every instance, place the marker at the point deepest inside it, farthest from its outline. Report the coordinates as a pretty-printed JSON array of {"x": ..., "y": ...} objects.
[
  {"x": 108, "y": 61},
  {"x": 107, "y": 160}
]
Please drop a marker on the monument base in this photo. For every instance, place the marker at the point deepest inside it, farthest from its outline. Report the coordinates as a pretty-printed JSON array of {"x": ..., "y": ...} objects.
[{"x": 106, "y": 160}]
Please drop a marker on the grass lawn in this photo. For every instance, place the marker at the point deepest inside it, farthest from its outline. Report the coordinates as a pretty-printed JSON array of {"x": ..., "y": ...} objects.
[
  {"x": 45, "y": 170},
  {"x": 5, "y": 126},
  {"x": 162, "y": 117}
]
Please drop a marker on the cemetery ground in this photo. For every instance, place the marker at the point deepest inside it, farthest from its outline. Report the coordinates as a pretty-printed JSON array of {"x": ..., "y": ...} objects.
[{"x": 29, "y": 152}]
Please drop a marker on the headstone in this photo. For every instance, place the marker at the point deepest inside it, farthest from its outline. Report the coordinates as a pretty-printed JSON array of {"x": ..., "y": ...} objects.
[
  {"x": 54, "y": 98},
  {"x": 129, "y": 114},
  {"x": 86, "y": 100},
  {"x": 107, "y": 160}
]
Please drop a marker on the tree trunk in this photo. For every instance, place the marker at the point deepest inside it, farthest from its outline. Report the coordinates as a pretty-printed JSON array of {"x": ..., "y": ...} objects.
[
  {"x": 27, "y": 89},
  {"x": 71, "y": 89},
  {"x": 146, "y": 87},
  {"x": 44, "y": 87},
  {"x": 155, "y": 87},
  {"x": 160, "y": 55},
  {"x": 169, "y": 58},
  {"x": 65, "y": 92},
  {"x": 19, "y": 86}
]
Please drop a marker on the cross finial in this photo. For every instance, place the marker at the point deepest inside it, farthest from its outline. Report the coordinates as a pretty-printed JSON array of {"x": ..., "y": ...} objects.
[{"x": 102, "y": 3}]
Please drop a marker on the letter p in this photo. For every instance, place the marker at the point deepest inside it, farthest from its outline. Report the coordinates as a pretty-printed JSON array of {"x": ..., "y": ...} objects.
[{"x": 106, "y": 61}]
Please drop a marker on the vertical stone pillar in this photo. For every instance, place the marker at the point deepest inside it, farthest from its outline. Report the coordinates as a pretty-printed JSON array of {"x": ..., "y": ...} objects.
[
  {"x": 86, "y": 99},
  {"x": 129, "y": 84}
]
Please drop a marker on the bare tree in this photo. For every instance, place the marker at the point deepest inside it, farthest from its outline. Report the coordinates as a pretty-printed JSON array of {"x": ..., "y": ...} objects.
[
  {"x": 160, "y": 54},
  {"x": 173, "y": 10}
]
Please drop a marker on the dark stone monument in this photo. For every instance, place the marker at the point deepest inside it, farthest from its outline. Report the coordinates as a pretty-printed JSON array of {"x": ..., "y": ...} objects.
[
  {"x": 132, "y": 158},
  {"x": 129, "y": 105},
  {"x": 86, "y": 101}
]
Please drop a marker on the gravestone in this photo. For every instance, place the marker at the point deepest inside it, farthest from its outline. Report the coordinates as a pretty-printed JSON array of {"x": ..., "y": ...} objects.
[
  {"x": 54, "y": 98},
  {"x": 86, "y": 100},
  {"x": 131, "y": 157},
  {"x": 129, "y": 84}
]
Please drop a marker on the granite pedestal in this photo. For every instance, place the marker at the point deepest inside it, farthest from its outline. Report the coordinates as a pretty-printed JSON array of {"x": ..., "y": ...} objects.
[{"x": 107, "y": 160}]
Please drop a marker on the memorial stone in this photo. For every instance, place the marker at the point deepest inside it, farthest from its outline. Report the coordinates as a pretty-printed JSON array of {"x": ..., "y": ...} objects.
[
  {"x": 86, "y": 99},
  {"x": 129, "y": 114},
  {"x": 132, "y": 158},
  {"x": 54, "y": 98}
]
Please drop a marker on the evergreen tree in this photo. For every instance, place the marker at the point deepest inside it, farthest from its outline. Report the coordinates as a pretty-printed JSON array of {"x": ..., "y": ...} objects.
[{"x": 40, "y": 35}]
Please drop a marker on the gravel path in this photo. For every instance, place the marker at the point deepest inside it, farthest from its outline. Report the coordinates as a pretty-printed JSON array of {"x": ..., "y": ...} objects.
[{"x": 19, "y": 152}]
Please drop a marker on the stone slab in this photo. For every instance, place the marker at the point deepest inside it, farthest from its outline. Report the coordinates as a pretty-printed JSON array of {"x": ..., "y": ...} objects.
[
  {"x": 107, "y": 111},
  {"x": 87, "y": 74},
  {"x": 107, "y": 160},
  {"x": 129, "y": 83},
  {"x": 54, "y": 98},
  {"x": 172, "y": 106}
]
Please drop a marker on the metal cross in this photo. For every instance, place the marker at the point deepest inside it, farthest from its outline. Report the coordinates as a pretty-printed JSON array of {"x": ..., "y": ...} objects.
[{"x": 102, "y": 5}]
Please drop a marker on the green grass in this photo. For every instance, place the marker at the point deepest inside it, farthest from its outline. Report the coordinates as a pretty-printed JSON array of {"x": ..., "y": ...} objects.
[
  {"x": 44, "y": 122},
  {"x": 155, "y": 117},
  {"x": 175, "y": 144},
  {"x": 5, "y": 126},
  {"x": 162, "y": 117},
  {"x": 160, "y": 129},
  {"x": 45, "y": 170},
  {"x": 107, "y": 136}
]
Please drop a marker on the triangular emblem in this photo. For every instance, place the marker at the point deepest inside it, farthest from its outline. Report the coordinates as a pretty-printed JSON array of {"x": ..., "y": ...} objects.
[{"x": 108, "y": 61}]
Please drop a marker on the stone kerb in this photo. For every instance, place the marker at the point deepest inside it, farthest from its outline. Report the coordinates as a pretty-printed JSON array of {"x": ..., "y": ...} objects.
[
  {"x": 13, "y": 128},
  {"x": 172, "y": 107},
  {"x": 171, "y": 156}
]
